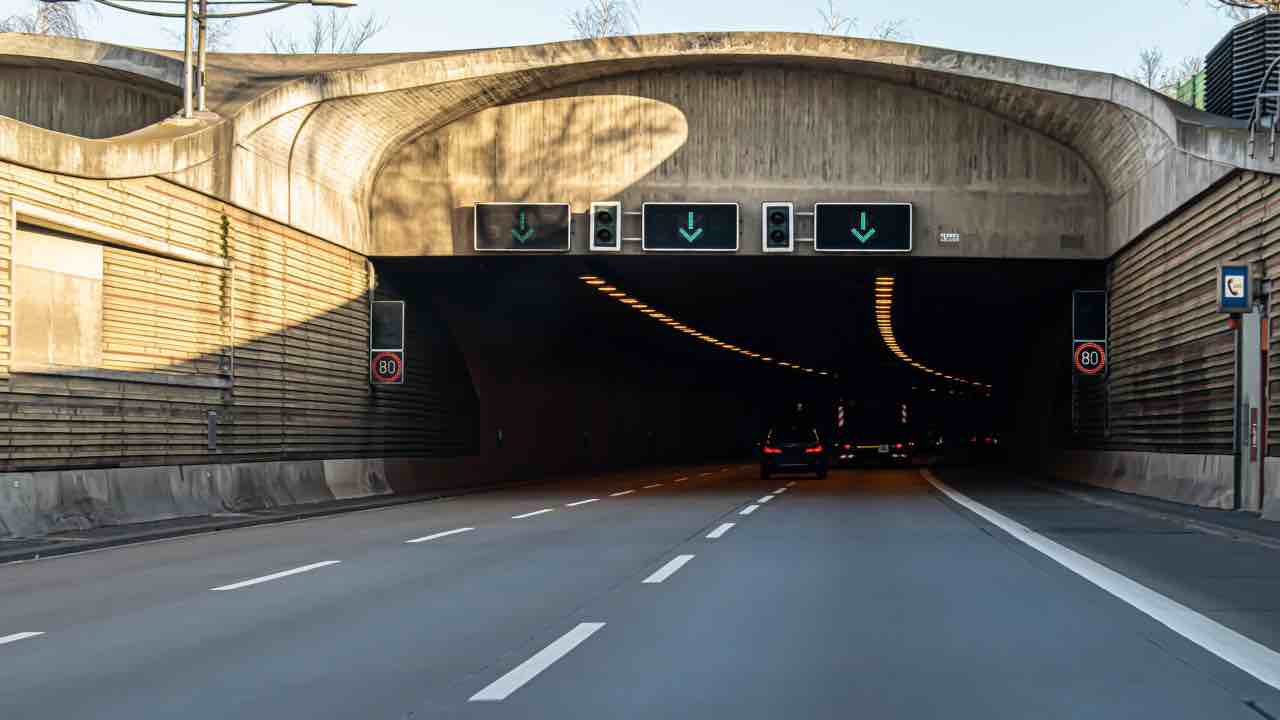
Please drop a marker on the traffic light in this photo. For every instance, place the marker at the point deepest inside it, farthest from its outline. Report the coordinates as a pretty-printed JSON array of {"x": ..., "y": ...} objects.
[
  {"x": 778, "y": 226},
  {"x": 606, "y": 226}
]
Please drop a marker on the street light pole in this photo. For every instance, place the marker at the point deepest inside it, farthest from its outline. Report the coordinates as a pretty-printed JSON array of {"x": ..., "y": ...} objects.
[
  {"x": 203, "y": 53},
  {"x": 186, "y": 65}
]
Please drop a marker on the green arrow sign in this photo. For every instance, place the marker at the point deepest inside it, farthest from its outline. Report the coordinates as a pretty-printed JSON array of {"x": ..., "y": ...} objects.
[
  {"x": 691, "y": 234},
  {"x": 524, "y": 232},
  {"x": 862, "y": 233}
]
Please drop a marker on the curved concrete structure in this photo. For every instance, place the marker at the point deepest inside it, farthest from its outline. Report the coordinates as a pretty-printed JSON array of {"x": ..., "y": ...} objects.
[{"x": 305, "y": 139}]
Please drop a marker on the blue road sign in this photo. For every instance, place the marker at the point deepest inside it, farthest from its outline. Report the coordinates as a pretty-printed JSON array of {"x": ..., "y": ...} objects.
[{"x": 1233, "y": 288}]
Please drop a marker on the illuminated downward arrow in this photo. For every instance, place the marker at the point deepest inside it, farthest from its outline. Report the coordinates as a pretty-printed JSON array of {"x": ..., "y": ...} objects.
[
  {"x": 691, "y": 234},
  {"x": 863, "y": 234},
  {"x": 525, "y": 232}
]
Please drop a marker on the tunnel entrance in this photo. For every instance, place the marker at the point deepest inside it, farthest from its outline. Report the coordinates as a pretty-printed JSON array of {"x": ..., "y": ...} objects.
[{"x": 633, "y": 359}]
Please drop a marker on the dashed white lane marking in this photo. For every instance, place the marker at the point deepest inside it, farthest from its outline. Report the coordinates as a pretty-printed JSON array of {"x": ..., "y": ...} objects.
[
  {"x": 531, "y": 514},
  {"x": 748, "y": 509},
  {"x": 682, "y": 478},
  {"x": 779, "y": 491},
  {"x": 1246, "y": 654},
  {"x": 765, "y": 499},
  {"x": 582, "y": 502},
  {"x": 435, "y": 536},
  {"x": 502, "y": 688},
  {"x": 724, "y": 469},
  {"x": 275, "y": 576},
  {"x": 720, "y": 531},
  {"x": 707, "y": 474},
  {"x": 655, "y": 485},
  {"x": 5, "y": 640},
  {"x": 791, "y": 484},
  {"x": 668, "y": 570},
  {"x": 620, "y": 493}
]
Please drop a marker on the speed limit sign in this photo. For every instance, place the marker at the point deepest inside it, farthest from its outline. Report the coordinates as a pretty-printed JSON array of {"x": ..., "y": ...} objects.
[
  {"x": 1090, "y": 358},
  {"x": 386, "y": 367}
]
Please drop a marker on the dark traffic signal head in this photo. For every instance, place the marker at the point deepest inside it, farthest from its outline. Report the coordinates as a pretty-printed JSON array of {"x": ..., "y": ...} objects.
[
  {"x": 606, "y": 226},
  {"x": 778, "y": 227}
]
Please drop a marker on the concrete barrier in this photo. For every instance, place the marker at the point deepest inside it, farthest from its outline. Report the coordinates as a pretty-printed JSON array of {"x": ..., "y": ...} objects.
[
  {"x": 1204, "y": 480},
  {"x": 38, "y": 503}
]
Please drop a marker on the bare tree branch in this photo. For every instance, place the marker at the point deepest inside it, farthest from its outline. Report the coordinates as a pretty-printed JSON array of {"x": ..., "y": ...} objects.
[
  {"x": 834, "y": 22},
  {"x": 218, "y": 35},
  {"x": 1150, "y": 70},
  {"x": 331, "y": 31},
  {"x": 605, "y": 18},
  {"x": 60, "y": 19}
]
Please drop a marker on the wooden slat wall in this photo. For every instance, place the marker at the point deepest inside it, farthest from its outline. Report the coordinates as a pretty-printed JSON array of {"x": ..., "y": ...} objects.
[
  {"x": 286, "y": 322},
  {"x": 1172, "y": 355}
]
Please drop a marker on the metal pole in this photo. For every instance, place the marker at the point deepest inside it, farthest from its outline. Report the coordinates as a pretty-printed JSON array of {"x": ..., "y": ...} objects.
[
  {"x": 186, "y": 63},
  {"x": 204, "y": 47}
]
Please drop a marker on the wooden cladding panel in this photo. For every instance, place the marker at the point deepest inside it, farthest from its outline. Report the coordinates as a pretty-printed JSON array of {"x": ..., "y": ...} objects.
[
  {"x": 283, "y": 326},
  {"x": 1172, "y": 356}
]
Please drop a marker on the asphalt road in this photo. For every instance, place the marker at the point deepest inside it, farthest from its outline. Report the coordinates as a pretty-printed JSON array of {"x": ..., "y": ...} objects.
[{"x": 863, "y": 595}]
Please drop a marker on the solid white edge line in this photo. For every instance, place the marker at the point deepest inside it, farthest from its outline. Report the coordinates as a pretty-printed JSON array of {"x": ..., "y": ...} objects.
[
  {"x": 582, "y": 502},
  {"x": 655, "y": 485},
  {"x": 531, "y": 514},
  {"x": 274, "y": 576},
  {"x": 748, "y": 509},
  {"x": 521, "y": 674},
  {"x": 791, "y": 484},
  {"x": 779, "y": 491},
  {"x": 681, "y": 479},
  {"x": 668, "y": 570},
  {"x": 438, "y": 535},
  {"x": 18, "y": 636},
  {"x": 720, "y": 531},
  {"x": 1252, "y": 657},
  {"x": 704, "y": 474},
  {"x": 765, "y": 499},
  {"x": 621, "y": 493}
]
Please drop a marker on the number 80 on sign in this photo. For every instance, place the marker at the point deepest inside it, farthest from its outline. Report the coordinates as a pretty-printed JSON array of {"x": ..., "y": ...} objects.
[
  {"x": 1090, "y": 358},
  {"x": 386, "y": 367}
]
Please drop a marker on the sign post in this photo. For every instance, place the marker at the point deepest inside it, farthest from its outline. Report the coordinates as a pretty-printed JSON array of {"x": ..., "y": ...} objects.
[
  {"x": 1089, "y": 332},
  {"x": 1235, "y": 298}
]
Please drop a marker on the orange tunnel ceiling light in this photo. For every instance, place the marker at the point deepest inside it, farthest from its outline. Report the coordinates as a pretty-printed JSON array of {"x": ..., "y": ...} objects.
[
  {"x": 645, "y": 309},
  {"x": 884, "y": 322}
]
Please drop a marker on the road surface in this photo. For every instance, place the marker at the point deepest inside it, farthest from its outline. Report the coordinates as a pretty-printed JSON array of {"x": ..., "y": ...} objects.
[{"x": 678, "y": 593}]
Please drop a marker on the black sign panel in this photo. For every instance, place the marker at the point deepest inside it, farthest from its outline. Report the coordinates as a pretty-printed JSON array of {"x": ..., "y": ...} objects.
[
  {"x": 1089, "y": 315},
  {"x": 696, "y": 227},
  {"x": 862, "y": 227},
  {"x": 387, "y": 332},
  {"x": 522, "y": 227}
]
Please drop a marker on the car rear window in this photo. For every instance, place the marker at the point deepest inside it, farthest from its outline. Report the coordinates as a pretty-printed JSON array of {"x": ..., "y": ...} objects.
[{"x": 794, "y": 435}]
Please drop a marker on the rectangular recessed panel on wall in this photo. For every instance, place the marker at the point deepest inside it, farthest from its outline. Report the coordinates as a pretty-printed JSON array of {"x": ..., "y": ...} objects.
[
  {"x": 690, "y": 227},
  {"x": 862, "y": 227},
  {"x": 521, "y": 227}
]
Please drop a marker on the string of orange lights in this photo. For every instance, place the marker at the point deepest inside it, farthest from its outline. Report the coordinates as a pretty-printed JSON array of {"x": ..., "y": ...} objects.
[
  {"x": 612, "y": 291},
  {"x": 884, "y": 321}
]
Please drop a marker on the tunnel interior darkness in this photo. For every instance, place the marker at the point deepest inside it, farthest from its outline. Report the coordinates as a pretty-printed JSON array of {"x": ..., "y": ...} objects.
[{"x": 571, "y": 376}]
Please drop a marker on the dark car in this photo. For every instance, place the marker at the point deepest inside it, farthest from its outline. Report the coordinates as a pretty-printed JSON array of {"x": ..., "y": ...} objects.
[{"x": 793, "y": 448}]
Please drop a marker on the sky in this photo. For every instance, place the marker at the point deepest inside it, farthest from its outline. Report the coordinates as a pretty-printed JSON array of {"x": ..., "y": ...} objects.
[{"x": 1103, "y": 35}]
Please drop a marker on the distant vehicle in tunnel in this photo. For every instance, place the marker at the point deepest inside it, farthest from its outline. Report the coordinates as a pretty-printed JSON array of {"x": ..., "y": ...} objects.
[
  {"x": 871, "y": 449},
  {"x": 793, "y": 448}
]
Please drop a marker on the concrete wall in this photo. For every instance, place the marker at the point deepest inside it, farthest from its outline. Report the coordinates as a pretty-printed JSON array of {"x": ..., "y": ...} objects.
[
  {"x": 748, "y": 134},
  {"x": 81, "y": 105},
  {"x": 1205, "y": 480}
]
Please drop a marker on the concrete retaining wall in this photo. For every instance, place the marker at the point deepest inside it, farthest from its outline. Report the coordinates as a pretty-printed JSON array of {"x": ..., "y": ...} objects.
[
  {"x": 1205, "y": 480},
  {"x": 38, "y": 503}
]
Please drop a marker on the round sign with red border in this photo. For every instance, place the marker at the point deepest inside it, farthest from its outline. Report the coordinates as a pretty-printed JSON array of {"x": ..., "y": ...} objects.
[
  {"x": 1090, "y": 358},
  {"x": 386, "y": 367}
]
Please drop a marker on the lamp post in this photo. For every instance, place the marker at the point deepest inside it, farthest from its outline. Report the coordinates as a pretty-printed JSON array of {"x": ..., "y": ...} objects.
[{"x": 197, "y": 12}]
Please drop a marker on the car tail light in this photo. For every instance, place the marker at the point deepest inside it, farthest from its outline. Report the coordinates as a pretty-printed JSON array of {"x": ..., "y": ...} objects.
[
  {"x": 912, "y": 443},
  {"x": 973, "y": 439},
  {"x": 814, "y": 450},
  {"x": 772, "y": 450},
  {"x": 898, "y": 446},
  {"x": 989, "y": 440},
  {"x": 846, "y": 446}
]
